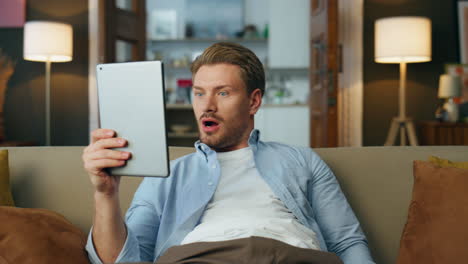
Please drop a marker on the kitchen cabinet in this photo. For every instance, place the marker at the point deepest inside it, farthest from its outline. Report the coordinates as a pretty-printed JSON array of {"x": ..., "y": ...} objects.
[
  {"x": 288, "y": 40},
  {"x": 287, "y": 124}
]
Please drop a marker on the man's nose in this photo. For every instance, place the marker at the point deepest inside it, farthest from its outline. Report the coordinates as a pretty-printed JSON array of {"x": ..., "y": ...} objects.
[{"x": 210, "y": 104}]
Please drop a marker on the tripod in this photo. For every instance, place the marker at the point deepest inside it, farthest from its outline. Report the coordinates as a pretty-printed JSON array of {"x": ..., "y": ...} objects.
[{"x": 404, "y": 125}]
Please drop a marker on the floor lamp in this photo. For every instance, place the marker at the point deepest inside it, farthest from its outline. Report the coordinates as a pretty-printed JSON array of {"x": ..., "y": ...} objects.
[
  {"x": 47, "y": 42},
  {"x": 402, "y": 40}
]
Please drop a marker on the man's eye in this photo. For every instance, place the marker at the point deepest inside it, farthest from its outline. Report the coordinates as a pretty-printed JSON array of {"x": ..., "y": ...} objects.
[
  {"x": 223, "y": 93},
  {"x": 198, "y": 94}
]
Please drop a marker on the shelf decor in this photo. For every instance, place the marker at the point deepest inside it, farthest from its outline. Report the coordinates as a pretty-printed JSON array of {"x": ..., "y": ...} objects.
[
  {"x": 462, "y": 71},
  {"x": 223, "y": 19},
  {"x": 162, "y": 24},
  {"x": 450, "y": 87},
  {"x": 317, "y": 6}
]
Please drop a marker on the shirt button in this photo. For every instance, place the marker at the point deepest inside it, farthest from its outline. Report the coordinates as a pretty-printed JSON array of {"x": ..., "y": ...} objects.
[
  {"x": 210, "y": 183},
  {"x": 213, "y": 167}
]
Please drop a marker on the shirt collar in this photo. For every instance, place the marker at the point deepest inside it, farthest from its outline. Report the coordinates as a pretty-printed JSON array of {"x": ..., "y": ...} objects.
[{"x": 204, "y": 149}]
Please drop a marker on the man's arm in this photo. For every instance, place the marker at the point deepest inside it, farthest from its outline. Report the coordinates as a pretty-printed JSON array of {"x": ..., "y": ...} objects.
[
  {"x": 140, "y": 229},
  {"x": 110, "y": 239},
  {"x": 336, "y": 219},
  {"x": 109, "y": 232}
]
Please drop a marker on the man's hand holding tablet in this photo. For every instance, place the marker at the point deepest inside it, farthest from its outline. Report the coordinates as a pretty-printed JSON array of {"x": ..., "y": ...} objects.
[{"x": 100, "y": 155}]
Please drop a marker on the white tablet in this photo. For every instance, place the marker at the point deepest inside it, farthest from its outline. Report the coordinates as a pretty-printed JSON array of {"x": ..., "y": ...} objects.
[{"x": 131, "y": 102}]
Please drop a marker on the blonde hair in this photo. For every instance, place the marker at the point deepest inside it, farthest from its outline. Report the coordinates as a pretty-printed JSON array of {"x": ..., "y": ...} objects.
[{"x": 252, "y": 72}]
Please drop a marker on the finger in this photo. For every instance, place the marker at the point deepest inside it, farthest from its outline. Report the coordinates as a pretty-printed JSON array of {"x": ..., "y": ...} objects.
[
  {"x": 108, "y": 143},
  {"x": 108, "y": 154},
  {"x": 101, "y": 133},
  {"x": 96, "y": 166}
]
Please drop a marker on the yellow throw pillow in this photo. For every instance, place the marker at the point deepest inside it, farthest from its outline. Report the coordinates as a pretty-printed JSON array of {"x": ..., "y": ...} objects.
[
  {"x": 444, "y": 163},
  {"x": 5, "y": 194}
]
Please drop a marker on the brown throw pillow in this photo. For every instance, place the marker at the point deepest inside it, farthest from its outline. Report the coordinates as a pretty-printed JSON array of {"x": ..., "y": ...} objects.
[
  {"x": 436, "y": 230},
  {"x": 5, "y": 193},
  {"x": 39, "y": 236}
]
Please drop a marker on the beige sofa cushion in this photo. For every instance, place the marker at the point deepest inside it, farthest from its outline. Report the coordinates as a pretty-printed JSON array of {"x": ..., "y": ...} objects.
[
  {"x": 39, "y": 236},
  {"x": 435, "y": 231}
]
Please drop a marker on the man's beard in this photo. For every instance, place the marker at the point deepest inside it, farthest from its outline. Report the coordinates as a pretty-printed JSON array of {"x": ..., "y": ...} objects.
[{"x": 229, "y": 134}]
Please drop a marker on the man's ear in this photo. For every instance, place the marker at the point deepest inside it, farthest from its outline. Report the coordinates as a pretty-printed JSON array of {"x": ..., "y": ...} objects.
[{"x": 255, "y": 101}]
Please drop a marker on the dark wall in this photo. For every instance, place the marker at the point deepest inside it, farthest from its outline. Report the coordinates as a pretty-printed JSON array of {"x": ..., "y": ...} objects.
[
  {"x": 381, "y": 81},
  {"x": 25, "y": 96}
]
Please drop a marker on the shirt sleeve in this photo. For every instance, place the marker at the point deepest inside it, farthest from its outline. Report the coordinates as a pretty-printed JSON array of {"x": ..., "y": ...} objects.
[
  {"x": 142, "y": 223},
  {"x": 337, "y": 222},
  {"x": 129, "y": 252}
]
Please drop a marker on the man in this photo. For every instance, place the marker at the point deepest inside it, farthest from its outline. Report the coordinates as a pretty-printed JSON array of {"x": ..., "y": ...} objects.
[{"x": 237, "y": 199}]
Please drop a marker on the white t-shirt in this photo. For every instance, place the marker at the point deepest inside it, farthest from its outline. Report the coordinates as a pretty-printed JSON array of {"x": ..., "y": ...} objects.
[{"x": 244, "y": 206}]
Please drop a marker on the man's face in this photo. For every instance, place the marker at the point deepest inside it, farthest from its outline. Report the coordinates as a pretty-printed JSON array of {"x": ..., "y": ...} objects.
[{"x": 222, "y": 107}]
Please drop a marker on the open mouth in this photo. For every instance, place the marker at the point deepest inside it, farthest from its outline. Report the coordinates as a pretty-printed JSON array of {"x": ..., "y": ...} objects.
[{"x": 210, "y": 124}]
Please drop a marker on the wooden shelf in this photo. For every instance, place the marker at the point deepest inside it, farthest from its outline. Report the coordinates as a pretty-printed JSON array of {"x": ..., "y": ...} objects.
[
  {"x": 179, "y": 106},
  {"x": 194, "y": 40},
  {"x": 301, "y": 71},
  {"x": 284, "y": 105},
  {"x": 189, "y": 106},
  {"x": 172, "y": 68},
  {"x": 184, "y": 135}
]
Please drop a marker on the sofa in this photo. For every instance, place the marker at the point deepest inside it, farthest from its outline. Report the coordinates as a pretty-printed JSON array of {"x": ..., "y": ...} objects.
[{"x": 376, "y": 180}]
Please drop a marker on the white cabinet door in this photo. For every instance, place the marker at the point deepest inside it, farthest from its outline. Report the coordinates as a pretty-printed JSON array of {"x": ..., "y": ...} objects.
[
  {"x": 285, "y": 124},
  {"x": 288, "y": 43}
]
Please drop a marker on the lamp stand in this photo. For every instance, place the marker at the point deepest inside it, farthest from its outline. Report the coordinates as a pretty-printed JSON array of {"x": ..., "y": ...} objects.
[
  {"x": 47, "y": 102},
  {"x": 402, "y": 123}
]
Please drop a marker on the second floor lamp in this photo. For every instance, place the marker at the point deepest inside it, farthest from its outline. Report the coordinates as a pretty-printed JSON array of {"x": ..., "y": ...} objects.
[
  {"x": 48, "y": 42},
  {"x": 402, "y": 40}
]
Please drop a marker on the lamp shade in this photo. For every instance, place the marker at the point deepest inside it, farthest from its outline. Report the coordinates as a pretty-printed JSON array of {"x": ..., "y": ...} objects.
[
  {"x": 449, "y": 86},
  {"x": 48, "y": 41},
  {"x": 403, "y": 39}
]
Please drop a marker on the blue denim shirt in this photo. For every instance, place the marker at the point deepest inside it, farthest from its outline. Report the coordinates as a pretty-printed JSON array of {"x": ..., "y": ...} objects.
[{"x": 165, "y": 210}]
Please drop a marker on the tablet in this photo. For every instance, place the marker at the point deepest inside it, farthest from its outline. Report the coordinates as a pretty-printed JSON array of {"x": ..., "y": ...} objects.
[{"x": 131, "y": 102}]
